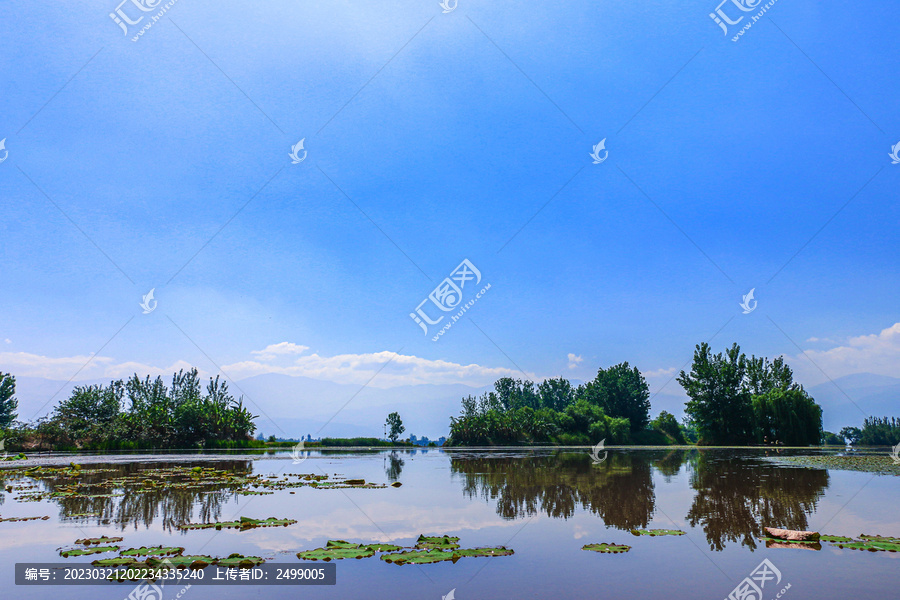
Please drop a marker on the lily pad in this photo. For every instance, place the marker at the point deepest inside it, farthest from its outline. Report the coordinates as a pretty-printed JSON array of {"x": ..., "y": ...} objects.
[
  {"x": 341, "y": 544},
  {"x": 240, "y": 561},
  {"x": 484, "y": 552},
  {"x": 18, "y": 519},
  {"x": 657, "y": 532},
  {"x": 442, "y": 542},
  {"x": 337, "y": 552},
  {"x": 420, "y": 557},
  {"x": 154, "y": 551},
  {"x": 834, "y": 538},
  {"x": 119, "y": 561},
  {"x": 873, "y": 544},
  {"x": 879, "y": 538},
  {"x": 607, "y": 548},
  {"x": 87, "y": 551},
  {"x": 192, "y": 561},
  {"x": 243, "y": 524},
  {"x": 99, "y": 540},
  {"x": 424, "y": 557},
  {"x": 383, "y": 547}
]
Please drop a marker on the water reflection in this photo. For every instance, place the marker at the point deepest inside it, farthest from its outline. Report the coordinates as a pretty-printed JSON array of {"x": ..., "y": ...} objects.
[
  {"x": 395, "y": 466},
  {"x": 115, "y": 496},
  {"x": 738, "y": 496},
  {"x": 619, "y": 490}
]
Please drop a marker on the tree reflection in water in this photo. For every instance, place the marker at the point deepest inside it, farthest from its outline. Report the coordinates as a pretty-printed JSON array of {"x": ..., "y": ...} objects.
[
  {"x": 739, "y": 495},
  {"x": 618, "y": 490},
  {"x": 172, "y": 505}
]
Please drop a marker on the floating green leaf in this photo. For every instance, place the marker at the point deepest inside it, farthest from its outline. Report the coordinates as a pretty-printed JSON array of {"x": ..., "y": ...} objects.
[
  {"x": 873, "y": 544},
  {"x": 192, "y": 561},
  {"x": 154, "y": 551},
  {"x": 420, "y": 557},
  {"x": 240, "y": 561},
  {"x": 440, "y": 542},
  {"x": 243, "y": 524},
  {"x": 119, "y": 561},
  {"x": 87, "y": 551},
  {"x": 607, "y": 548},
  {"x": 656, "y": 532},
  {"x": 337, "y": 552},
  {"x": 383, "y": 547},
  {"x": 99, "y": 540},
  {"x": 834, "y": 538}
]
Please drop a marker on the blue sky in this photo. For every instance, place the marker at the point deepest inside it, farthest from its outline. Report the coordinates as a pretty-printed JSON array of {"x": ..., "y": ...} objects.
[{"x": 432, "y": 138}]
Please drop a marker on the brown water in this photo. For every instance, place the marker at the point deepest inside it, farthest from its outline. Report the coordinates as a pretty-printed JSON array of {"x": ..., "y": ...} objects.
[{"x": 543, "y": 504}]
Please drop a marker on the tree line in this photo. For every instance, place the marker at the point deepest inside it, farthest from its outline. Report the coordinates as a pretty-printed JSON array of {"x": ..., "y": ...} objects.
[
  {"x": 614, "y": 406},
  {"x": 732, "y": 400},
  {"x": 137, "y": 413}
]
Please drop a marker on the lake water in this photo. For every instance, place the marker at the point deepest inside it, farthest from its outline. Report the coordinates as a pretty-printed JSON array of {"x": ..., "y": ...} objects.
[{"x": 543, "y": 504}]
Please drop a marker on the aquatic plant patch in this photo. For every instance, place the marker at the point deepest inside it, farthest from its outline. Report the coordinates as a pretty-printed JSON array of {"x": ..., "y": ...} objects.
[
  {"x": 607, "y": 548},
  {"x": 19, "y": 519},
  {"x": 657, "y": 532},
  {"x": 87, "y": 551},
  {"x": 100, "y": 540},
  {"x": 243, "y": 524},
  {"x": 154, "y": 551},
  {"x": 338, "y": 552},
  {"x": 437, "y": 542},
  {"x": 834, "y": 538},
  {"x": 240, "y": 561}
]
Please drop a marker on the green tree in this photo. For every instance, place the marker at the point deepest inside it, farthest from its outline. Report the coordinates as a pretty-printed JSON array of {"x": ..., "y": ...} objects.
[
  {"x": 556, "y": 393},
  {"x": 667, "y": 424},
  {"x": 8, "y": 402},
  {"x": 395, "y": 426},
  {"x": 89, "y": 414},
  {"x": 720, "y": 403},
  {"x": 621, "y": 391},
  {"x": 787, "y": 416}
]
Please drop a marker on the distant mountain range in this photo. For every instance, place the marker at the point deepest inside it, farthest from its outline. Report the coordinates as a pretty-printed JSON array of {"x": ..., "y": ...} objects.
[
  {"x": 296, "y": 406},
  {"x": 852, "y": 398}
]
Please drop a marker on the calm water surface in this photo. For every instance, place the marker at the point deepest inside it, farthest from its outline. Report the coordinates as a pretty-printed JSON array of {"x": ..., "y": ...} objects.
[{"x": 543, "y": 504}]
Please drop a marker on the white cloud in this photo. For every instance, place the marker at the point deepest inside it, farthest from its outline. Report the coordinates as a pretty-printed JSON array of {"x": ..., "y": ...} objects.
[
  {"x": 26, "y": 364},
  {"x": 660, "y": 373},
  {"x": 875, "y": 353},
  {"x": 574, "y": 360},
  {"x": 385, "y": 370},
  {"x": 81, "y": 367},
  {"x": 8, "y": 341},
  {"x": 273, "y": 351}
]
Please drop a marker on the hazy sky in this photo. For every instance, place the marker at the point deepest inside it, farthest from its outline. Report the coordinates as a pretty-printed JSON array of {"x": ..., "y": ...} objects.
[{"x": 430, "y": 138}]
